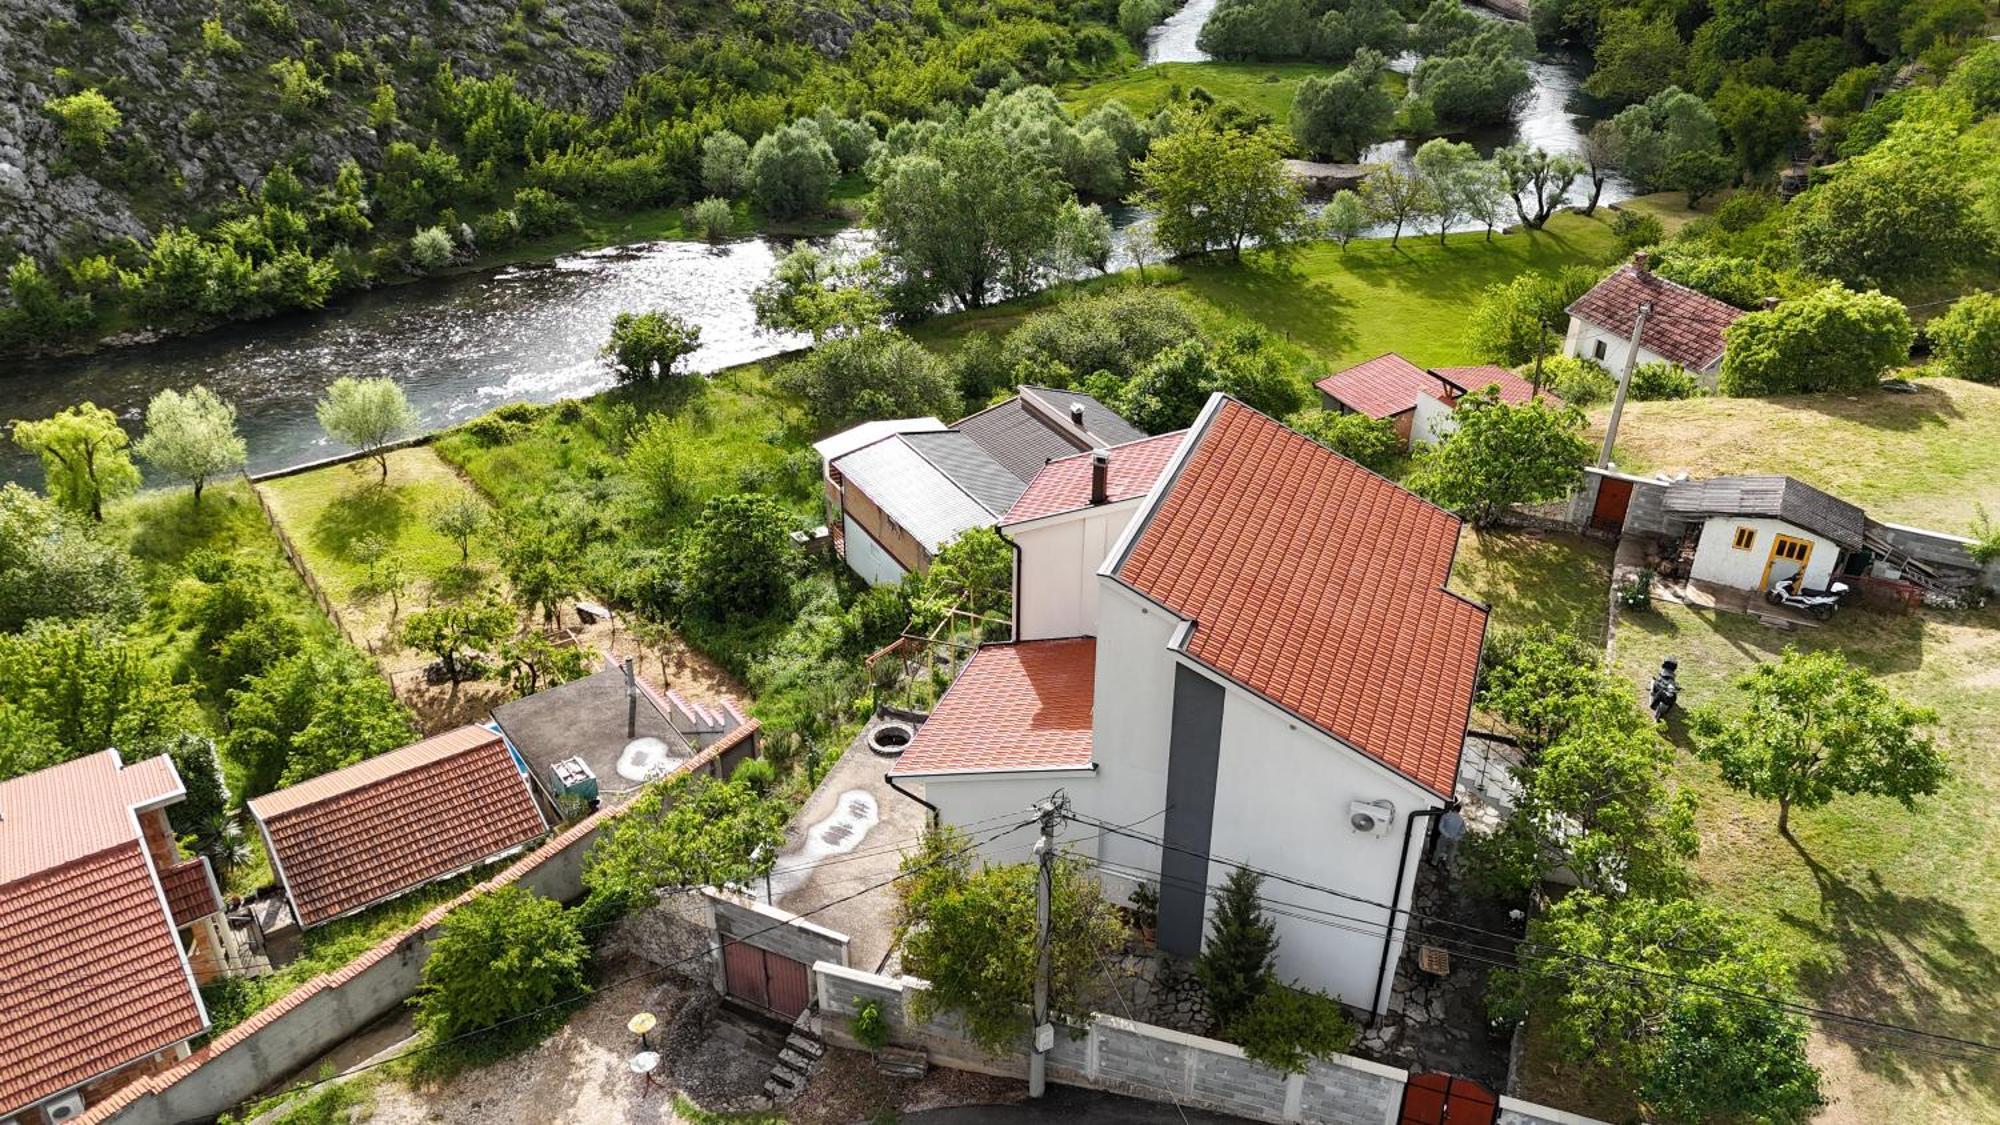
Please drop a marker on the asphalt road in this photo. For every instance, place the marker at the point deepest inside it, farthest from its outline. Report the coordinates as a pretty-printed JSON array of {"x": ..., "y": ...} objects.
[{"x": 1067, "y": 1103}]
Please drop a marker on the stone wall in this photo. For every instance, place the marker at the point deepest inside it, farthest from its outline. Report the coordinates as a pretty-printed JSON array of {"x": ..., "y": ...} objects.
[{"x": 1144, "y": 1061}]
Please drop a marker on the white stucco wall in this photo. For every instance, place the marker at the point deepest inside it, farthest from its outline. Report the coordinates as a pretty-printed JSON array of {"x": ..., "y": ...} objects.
[
  {"x": 1582, "y": 339},
  {"x": 1058, "y": 569},
  {"x": 1717, "y": 560},
  {"x": 1434, "y": 421},
  {"x": 866, "y": 557},
  {"x": 983, "y": 804}
]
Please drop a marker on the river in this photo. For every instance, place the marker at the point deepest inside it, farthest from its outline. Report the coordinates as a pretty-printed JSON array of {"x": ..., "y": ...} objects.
[{"x": 464, "y": 344}]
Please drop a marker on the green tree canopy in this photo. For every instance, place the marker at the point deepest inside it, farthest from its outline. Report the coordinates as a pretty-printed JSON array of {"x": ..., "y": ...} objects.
[
  {"x": 54, "y": 563},
  {"x": 70, "y": 688},
  {"x": 1339, "y": 115},
  {"x": 191, "y": 436},
  {"x": 693, "y": 831},
  {"x": 1218, "y": 187},
  {"x": 791, "y": 171},
  {"x": 974, "y": 572},
  {"x": 740, "y": 558},
  {"x": 1368, "y": 441},
  {"x": 1636, "y": 56},
  {"x": 85, "y": 457},
  {"x": 452, "y": 632},
  {"x": 822, "y": 293},
  {"x": 506, "y": 953},
  {"x": 1239, "y": 960},
  {"x": 460, "y": 517},
  {"x": 1813, "y": 727},
  {"x": 1907, "y": 210},
  {"x": 876, "y": 373},
  {"x": 1502, "y": 455},
  {"x": 311, "y": 710},
  {"x": 1763, "y": 124},
  {"x": 650, "y": 345},
  {"x": 1832, "y": 339},
  {"x": 367, "y": 414},
  {"x": 1965, "y": 341}
]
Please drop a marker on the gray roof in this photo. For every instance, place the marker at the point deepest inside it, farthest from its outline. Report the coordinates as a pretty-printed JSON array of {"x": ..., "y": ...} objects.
[
  {"x": 914, "y": 492},
  {"x": 1774, "y": 497},
  {"x": 584, "y": 719},
  {"x": 1034, "y": 427},
  {"x": 970, "y": 468}
]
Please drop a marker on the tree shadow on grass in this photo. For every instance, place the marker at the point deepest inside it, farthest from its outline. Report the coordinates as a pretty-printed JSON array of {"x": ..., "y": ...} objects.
[
  {"x": 1911, "y": 960},
  {"x": 1927, "y": 407},
  {"x": 373, "y": 509}
]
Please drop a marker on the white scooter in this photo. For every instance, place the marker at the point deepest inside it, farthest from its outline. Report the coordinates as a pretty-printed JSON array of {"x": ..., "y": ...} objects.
[{"x": 1819, "y": 603}]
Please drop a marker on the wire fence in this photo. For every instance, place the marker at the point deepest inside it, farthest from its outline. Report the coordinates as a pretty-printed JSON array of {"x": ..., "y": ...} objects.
[{"x": 299, "y": 566}]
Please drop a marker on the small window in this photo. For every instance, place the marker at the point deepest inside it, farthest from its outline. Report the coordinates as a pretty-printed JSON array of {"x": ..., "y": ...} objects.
[
  {"x": 1597, "y": 350},
  {"x": 1746, "y": 538}
]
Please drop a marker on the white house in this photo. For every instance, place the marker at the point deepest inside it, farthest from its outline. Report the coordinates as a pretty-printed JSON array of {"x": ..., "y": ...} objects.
[
  {"x": 1682, "y": 326},
  {"x": 1263, "y": 666},
  {"x": 1421, "y": 403},
  {"x": 1756, "y": 530}
]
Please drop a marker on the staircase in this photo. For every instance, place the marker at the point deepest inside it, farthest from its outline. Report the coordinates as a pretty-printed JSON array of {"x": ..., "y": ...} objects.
[{"x": 797, "y": 1059}]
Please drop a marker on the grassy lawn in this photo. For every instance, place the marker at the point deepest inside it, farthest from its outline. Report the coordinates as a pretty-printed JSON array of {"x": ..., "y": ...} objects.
[
  {"x": 332, "y": 513},
  {"x": 1530, "y": 578},
  {"x": 1891, "y": 913},
  {"x": 1922, "y": 459},
  {"x": 1670, "y": 207},
  {"x": 1265, "y": 88}
]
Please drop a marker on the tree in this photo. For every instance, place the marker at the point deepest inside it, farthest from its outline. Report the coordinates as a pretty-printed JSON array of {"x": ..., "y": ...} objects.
[
  {"x": 1395, "y": 195},
  {"x": 1965, "y": 341},
  {"x": 353, "y": 717},
  {"x": 1448, "y": 172},
  {"x": 1650, "y": 136},
  {"x": 973, "y": 573},
  {"x": 1368, "y": 441},
  {"x": 191, "y": 436},
  {"x": 1699, "y": 173},
  {"x": 1502, "y": 455},
  {"x": 1814, "y": 727},
  {"x": 1832, "y": 339},
  {"x": 1170, "y": 390},
  {"x": 41, "y": 312},
  {"x": 1339, "y": 115},
  {"x": 534, "y": 662},
  {"x": 87, "y": 119},
  {"x": 969, "y": 216},
  {"x": 1906, "y": 210},
  {"x": 1240, "y": 958},
  {"x": 971, "y": 934},
  {"x": 54, "y": 563},
  {"x": 725, "y": 163},
  {"x": 1603, "y": 152},
  {"x": 1636, "y": 57},
  {"x": 84, "y": 455},
  {"x": 792, "y": 170},
  {"x": 650, "y": 345},
  {"x": 1343, "y": 218},
  {"x": 1514, "y": 321},
  {"x": 875, "y": 373},
  {"x": 368, "y": 414},
  {"x": 821, "y": 293},
  {"x": 542, "y": 558},
  {"x": 1542, "y": 683},
  {"x": 1215, "y": 186},
  {"x": 740, "y": 558},
  {"x": 1540, "y": 174},
  {"x": 454, "y": 631},
  {"x": 460, "y": 517},
  {"x": 506, "y": 953},
  {"x": 693, "y": 831},
  {"x": 1763, "y": 124},
  {"x": 69, "y": 688}
]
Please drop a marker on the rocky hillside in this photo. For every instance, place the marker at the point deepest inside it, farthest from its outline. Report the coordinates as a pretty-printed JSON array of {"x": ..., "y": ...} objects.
[{"x": 204, "y": 111}]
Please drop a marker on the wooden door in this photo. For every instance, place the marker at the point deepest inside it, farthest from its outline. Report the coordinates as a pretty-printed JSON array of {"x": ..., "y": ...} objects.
[
  {"x": 1785, "y": 549},
  {"x": 1443, "y": 1099},
  {"x": 765, "y": 980},
  {"x": 1613, "y": 497}
]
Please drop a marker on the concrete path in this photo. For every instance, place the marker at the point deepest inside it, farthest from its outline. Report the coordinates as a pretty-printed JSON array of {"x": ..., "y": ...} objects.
[{"x": 1068, "y": 1103}]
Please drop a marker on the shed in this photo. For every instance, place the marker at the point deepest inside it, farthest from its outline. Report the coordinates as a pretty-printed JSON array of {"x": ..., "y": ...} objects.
[{"x": 1755, "y": 530}]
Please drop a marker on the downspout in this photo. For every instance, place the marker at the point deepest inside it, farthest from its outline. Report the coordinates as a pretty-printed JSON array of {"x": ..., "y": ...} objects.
[
  {"x": 1014, "y": 610},
  {"x": 889, "y": 779},
  {"x": 1396, "y": 898}
]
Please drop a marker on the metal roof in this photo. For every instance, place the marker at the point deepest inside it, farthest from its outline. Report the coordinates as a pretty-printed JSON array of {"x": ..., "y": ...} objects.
[
  {"x": 1774, "y": 497},
  {"x": 1035, "y": 427},
  {"x": 839, "y": 445},
  {"x": 970, "y": 468},
  {"x": 914, "y": 492}
]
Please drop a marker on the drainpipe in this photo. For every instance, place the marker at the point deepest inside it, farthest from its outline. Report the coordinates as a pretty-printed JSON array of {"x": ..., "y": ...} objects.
[
  {"x": 1396, "y": 896},
  {"x": 1014, "y": 616},
  {"x": 889, "y": 779}
]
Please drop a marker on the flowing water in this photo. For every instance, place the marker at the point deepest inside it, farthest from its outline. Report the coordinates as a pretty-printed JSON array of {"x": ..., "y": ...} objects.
[{"x": 465, "y": 344}]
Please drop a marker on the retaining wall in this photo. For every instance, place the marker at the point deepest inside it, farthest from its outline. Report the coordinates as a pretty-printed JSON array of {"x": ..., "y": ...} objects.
[
  {"x": 274, "y": 1044},
  {"x": 1144, "y": 1061}
]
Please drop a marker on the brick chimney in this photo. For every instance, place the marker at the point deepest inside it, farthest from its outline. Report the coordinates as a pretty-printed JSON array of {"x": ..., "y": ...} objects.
[
  {"x": 1100, "y": 477},
  {"x": 1642, "y": 262}
]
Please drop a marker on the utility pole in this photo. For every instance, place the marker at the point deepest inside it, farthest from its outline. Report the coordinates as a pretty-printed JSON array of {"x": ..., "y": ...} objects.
[
  {"x": 1051, "y": 812},
  {"x": 1541, "y": 345},
  {"x": 1624, "y": 385}
]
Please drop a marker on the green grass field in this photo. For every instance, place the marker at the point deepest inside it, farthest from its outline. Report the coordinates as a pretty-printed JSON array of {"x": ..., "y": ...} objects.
[
  {"x": 1529, "y": 578},
  {"x": 1264, "y": 88}
]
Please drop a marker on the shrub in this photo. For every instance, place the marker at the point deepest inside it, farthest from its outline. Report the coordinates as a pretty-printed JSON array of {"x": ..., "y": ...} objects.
[
  {"x": 740, "y": 558},
  {"x": 1369, "y": 441},
  {"x": 1966, "y": 339},
  {"x": 873, "y": 374},
  {"x": 299, "y": 91},
  {"x": 543, "y": 212},
  {"x": 725, "y": 164},
  {"x": 757, "y": 773},
  {"x": 1287, "y": 1028},
  {"x": 1636, "y": 229},
  {"x": 506, "y": 953},
  {"x": 1575, "y": 380},
  {"x": 1118, "y": 332},
  {"x": 712, "y": 218},
  {"x": 87, "y": 119},
  {"x": 273, "y": 15},
  {"x": 792, "y": 171},
  {"x": 650, "y": 345},
  {"x": 870, "y": 1027},
  {"x": 1660, "y": 380},
  {"x": 1833, "y": 339},
  {"x": 1237, "y": 963},
  {"x": 216, "y": 40},
  {"x": 431, "y": 248}
]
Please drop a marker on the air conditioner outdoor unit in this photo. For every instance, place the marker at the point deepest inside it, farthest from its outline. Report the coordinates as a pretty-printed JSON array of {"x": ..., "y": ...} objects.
[
  {"x": 64, "y": 1108},
  {"x": 1372, "y": 817}
]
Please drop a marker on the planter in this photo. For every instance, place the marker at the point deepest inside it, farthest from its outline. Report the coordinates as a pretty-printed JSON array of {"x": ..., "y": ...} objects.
[{"x": 891, "y": 738}]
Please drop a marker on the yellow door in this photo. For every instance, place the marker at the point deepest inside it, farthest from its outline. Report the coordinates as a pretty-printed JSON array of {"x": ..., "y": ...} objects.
[{"x": 1784, "y": 548}]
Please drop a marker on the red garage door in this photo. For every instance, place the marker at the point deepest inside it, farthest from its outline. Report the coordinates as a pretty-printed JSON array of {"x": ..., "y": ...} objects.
[
  {"x": 1440, "y": 1099},
  {"x": 763, "y": 979}
]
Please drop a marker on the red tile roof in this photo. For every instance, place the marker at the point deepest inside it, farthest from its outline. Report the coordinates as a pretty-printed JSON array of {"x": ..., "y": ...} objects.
[
  {"x": 78, "y": 808},
  {"x": 1381, "y": 387},
  {"x": 1019, "y": 706},
  {"x": 1684, "y": 326},
  {"x": 191, "y": 891},
  {"x": 1063, "y": 485},
  {"x": 353, "y": 837},
  {"x": 1514, "y": 390},
  {"x": 93, "y": 976},
  {"x": 1318, "y": 585}
]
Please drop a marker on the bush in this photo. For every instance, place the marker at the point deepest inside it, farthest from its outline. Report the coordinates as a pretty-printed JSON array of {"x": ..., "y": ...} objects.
[
  {"x": 1833, "y": 339},
  {"x": 1575, "y": 380},
  {"x": 87, "y": 119},
  {"x": 1287, "y": 1028},
  {"x": 505, "y": 954},
  {"x": 1368, "y": 441},
  {"x": 757, "y": 773},
  {"x": 712, "y": 218},
  {"x": 299, "y": 91},
  {"x": 431, "y": 248},
  {"x": 650, "y": 345},
  {"x": 543, "y": 212},
  {"x": 873, "y": 374},
  {"x": 1966, "y": 340},
  {"x": 216, "y": 40},
  {"x": 740, "y": 559},
  {"x": 792, "y": 171},
  {"x": 725, "y": 164},
  {"x": 1636, "y": 229},
  {"x": 1119, "y": 332},
  {"x": 870, "y": 1028},
  {"x": 1661, "y": 380}
]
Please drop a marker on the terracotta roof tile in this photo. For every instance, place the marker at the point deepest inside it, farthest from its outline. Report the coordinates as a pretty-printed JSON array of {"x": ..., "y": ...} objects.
[
  {"x": 93, "y": 977},
  {"x": 191, "y": 891},
  {"x": 358, "y": 835},
  {"x": 1064, "y": 485},
  {"x": 1685, "y": 326},
  {"x": 1381, "y": 387},
  {"x": 1514, "y": 390},
  {"x": 1318, "y": 585},
  {"x": 1013, "y": 707},
  {"x": 81, "y": 807}
]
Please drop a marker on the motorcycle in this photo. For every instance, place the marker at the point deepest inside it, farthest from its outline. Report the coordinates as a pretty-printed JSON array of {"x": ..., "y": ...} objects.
[
  {"x": 1666, "y": 691},
  {"x": 1819, "y": 603}
]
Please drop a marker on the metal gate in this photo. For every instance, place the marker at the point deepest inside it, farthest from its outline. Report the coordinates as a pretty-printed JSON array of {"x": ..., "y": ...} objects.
[
  {"x": 1614, "y": 496},
  {"x": 1441, "y": 1099},
  {"x": 763, "y": 979}
]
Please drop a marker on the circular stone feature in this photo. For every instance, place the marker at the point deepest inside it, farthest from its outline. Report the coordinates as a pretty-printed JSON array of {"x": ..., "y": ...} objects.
[{"x": 891, "y": 739}]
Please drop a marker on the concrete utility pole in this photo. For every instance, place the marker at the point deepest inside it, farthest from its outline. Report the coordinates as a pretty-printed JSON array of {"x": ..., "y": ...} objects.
[
  {"x": 1624, "y": 385},
  {"x": 1052, "y": 812}
]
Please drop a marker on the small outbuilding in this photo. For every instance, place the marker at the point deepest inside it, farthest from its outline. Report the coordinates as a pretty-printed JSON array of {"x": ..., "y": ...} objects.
[
  {"x": 1420, "y": 402},
  {"x": 1756, "y": 530},
  {"x": 1683, "y": 326}
]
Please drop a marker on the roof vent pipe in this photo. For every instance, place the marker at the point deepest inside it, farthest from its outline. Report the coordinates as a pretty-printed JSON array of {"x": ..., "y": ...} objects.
[
  {"x": 1100, "y": 477},
  {"x": 1076, "y": 415},
  {"x": 631, "y": 700},
  {"x": 1770, "y": 303}
]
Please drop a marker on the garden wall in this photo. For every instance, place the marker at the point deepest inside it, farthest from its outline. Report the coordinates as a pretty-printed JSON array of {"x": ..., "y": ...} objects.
[
  {"x": 1144, "y": 1061},
  {"x": 269, "y": 1047}
]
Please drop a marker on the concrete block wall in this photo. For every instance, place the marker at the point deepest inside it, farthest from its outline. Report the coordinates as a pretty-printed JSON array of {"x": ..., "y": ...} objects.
[{"x": 736, "y": 917}]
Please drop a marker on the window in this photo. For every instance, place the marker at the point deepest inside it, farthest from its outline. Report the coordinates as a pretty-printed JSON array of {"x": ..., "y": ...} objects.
[
  {"x": 1746, "y": 538},
  {"x": 1597, "y": 351}
]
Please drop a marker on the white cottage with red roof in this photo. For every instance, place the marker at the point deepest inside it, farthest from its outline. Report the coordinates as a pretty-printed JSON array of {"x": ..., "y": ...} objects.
[
  {"x": 1266, "y": 669},
  {"x": 1420, "y": 402},
  {"x": 1683, "y": 326}
]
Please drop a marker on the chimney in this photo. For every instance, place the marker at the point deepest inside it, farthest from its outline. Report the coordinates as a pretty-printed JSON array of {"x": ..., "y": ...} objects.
[
  {"x": 1642, "y": 262},
  {"x": 1076, "y": 415},
  {"x": 631, "y": 700},
  {"x": 1770, "y": 303},
  {"x": 1100, "y": 477}
]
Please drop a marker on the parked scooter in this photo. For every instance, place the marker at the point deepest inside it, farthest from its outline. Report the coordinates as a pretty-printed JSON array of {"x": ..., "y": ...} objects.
[
  {"x": 1819, "y": 603},
  {"x": 1666, "y": 690}
]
